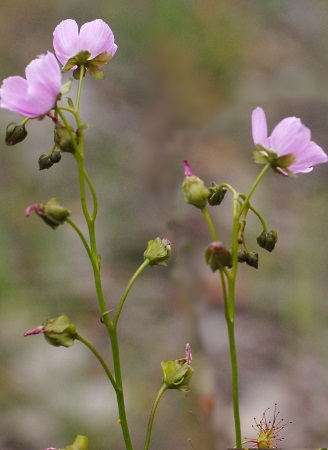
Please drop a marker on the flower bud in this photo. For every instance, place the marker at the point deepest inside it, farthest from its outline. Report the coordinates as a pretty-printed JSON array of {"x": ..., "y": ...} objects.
[
  {"x": 60, "y": 332},
  {"x": 242, "y": 256},
  {"x": 55, "y": 156},
  {"x": 80, "y": 443},
  {"x": 217, "y": 194},
  {"x": 52, "y": 213},
  {"x": 193, "y": 188},
  {"x": 217, "y": 256},
  {"x": 15, "y": 133},
  {"x": 63, "y": 138},
  {"x": 45, "y": 162},
  {"x": 158, "y": 252},
  {"x": 267, "y": 240},
  {"x": 252, "y": 260},
  {"x": 177, "y": 374}
]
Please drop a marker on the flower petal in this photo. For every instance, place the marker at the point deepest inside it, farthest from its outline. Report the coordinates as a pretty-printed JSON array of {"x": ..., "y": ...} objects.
[
  {"x": 311, "y": 155},
  {"x": 66, "y": 40},
  {"x": 96, "y": 37},
  {"x": 288, "y": 136},
  {"x": 36, "y": 95},
  {"x": 259, "y": 127}
]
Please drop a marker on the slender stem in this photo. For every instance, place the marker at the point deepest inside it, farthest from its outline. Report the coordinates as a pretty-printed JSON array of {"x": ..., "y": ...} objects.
[
  {"x": 94, "y": 196},
  {"x": 210, "y": 224},
  {"x": 234, "y": 379},
  {"x": 92, "y": 251},
  {"x": 79, "y": 232},
  {"x": 127, "y": 290},
  {"x": 119, "y": 392},
  {"x": 100, "y": 359},
  {"x": 254, "y": 186},
  {"x": 79, "y": 90},
  {"x": 152, "y": 415}
]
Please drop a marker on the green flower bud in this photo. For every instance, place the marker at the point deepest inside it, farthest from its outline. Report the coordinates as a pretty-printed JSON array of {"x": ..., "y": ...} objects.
[
  {"x": 253, "y": 260},
  {"x": 63, "y": 138},
  {"x": 217, "y": 256},
  {"x": 52, "y": 213},
  {"x": 158, "y": 252},
  {"x": 55, "y": 156},
  {"x": 242, "y": 256},
  {"x": 217, "y": 194},
  {"x": 267, "y": 240},
  {"x": 60, "y": 332},
  {"x": 80, "y": 443},
  {"x": 193, "y": 188},
  {"x": 45, "y": 162},
  {"x": 15, "y": 133},
  {"x": 177, "y": 374}
]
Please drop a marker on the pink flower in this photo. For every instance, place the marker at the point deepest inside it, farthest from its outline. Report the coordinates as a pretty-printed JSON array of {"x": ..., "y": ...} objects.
[
  {"x": 289, "y": 148},
  {"x": 95, "y": 38},
  {"x": 37, "y": 94}
]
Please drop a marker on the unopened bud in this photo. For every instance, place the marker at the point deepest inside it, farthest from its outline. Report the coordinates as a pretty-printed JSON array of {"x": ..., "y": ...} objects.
[
  {"x": 45, "y": 162},
  {"x": 267, "y": 240},
  {"x": 158, "y": 252},
  {"x": 217, "y": 256},
  {"x": 217, "y": 194},
  {"x": 252, "y": 260},
  {"x": 63, "y": 137},
  {"x": 52, "y": 213},
  {"x": 193, "y": 188},
  {"x": 15, "y": 133},
  {"x": 60, "y": 332},
  {"x": 80, "y": 443},
  {"x": 55, "y": 156}
]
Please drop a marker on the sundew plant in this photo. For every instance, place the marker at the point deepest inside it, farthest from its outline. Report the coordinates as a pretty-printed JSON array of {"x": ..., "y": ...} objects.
[{"x": 44, "y": 95}]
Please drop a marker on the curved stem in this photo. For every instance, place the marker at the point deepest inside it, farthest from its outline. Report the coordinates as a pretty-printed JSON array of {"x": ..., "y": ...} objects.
[
  {"x": 209, "y": 223},
  {"x": 254, "y": 186},
  {"x": 94, "y": 196},
  {"x": 127, "y": 290},
  {"x": 152, "y": 415},
  {"x": 79, "y": 232},
  {"x": 100, "y": 359}
]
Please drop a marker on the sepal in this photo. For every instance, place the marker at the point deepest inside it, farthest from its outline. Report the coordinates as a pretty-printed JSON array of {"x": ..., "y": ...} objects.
[
  {"x": 177, "y": 374},
  {"x": 158, "y": 252},
  {"x": 217, "y": 256},
  {"x": 15, "y": 133},
  {"x": 267, "y": 240}
]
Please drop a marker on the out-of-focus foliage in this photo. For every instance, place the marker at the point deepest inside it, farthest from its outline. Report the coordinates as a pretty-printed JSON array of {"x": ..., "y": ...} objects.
[{"x": 182, "y": 85}]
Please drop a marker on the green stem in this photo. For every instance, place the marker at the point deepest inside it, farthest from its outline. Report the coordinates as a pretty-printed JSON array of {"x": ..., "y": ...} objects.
[
  {"x": 254, "y": 186},
  {"x": 152, "y": 415},
  {"x": 79, "y": 90},
  {"x": 127, "y": 290},
  {"x": 100, "y": 359},
  {"x": 79, "y": 232},
  {"x": 210, "y": 224},
  {"x": 119, "y": 392}
]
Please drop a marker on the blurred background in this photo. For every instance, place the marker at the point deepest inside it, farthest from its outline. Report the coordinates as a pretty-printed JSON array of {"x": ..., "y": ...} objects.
[{"x": 183, "y": 84}]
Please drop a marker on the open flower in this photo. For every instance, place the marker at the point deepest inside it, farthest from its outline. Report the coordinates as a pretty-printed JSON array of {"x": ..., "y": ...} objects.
[
  {"x": 93, "y": 47},
  {"x": 37, "y": 94},
  {"x": 289, "y": 148}
]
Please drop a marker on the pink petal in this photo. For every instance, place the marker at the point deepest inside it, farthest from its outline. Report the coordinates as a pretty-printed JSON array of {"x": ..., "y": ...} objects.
[
  {"x": 13, "y": 89},
  {"x": 37, "y": 94},
  {"x": 311, "y": 155},
  {"x": 288, "y": 136},
  {"x": 259, "y": 127},
  {"x": 96, "y": 37},
  {"x": 66, "y": 40}
]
